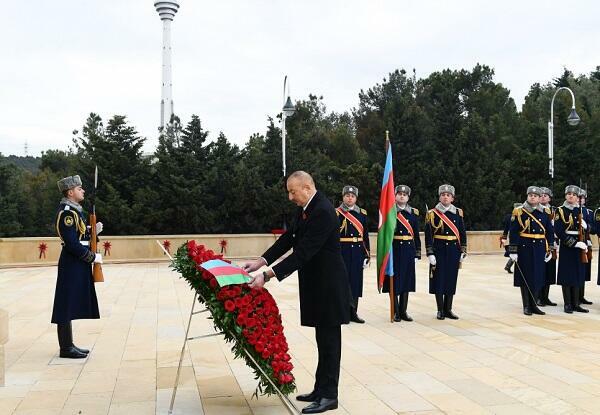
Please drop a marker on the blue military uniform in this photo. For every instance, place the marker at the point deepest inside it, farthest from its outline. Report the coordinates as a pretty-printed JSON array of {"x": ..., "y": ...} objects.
[
  {"x": 531, "y": 237},
  {"x": 405, "y": 248},
  {"x": 596, "y": 231},
  {"x": 75, "y": 294},
  {"x": 571, "y": 271},
  {"x": 355, "y": 247},
  {"x": 448, "y": 249}
]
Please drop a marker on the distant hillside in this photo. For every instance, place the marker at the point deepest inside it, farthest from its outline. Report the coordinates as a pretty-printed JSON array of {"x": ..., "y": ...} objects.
[{"x": 29, "y": 163}]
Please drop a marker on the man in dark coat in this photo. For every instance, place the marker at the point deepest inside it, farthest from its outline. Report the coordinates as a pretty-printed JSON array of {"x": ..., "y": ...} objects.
[
  {"x": 531, "y": 239},
  {"x": 75, "y": 295},
  {"x": 446, "y": 244},
  {"x": 322, "y": 279},
  {"x": 354, "y": 240},
  {"x": 571, "y": 271},
  {"x": 406, "y": 250},
  {"x": 543, "y": 297}
]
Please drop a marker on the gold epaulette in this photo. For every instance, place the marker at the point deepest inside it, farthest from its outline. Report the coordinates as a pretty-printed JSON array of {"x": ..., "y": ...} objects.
[
  {"x": 364, "y": 212},
  {"x": 597, "y": 215},
  {"x": 460, "y": 212},
  {"x": 429, "y": 216},
  {"x": 416, "y": 211},
  {"x": 548, "y": 211}
]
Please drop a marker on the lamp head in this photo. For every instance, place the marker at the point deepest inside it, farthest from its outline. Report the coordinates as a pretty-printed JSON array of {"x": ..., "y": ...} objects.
[
  {"x": 288, "y": 108},
  {"x": 573, "y": 118}
]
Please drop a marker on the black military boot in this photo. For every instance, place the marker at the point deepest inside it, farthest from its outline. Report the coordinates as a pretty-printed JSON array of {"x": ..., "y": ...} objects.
[
  {"x": 546, "y": 294},
  {"x": 397, "y": 307},
  {"x": 525, "y": 298},
  {"x": 533, "y": 305},
  {"x": 566, "y": 290},
  {"x": 404, "y": 305},
  {"x": 354, "y": 312},
  {"x": 65, "y": 340},
  {"x": 582, "y": 299},
  {"x": 439, "y": 300},
  {"x": 576, "y": 304},
  {"x": 448, "y": 307},
  {"x": 509, "y": 265}
]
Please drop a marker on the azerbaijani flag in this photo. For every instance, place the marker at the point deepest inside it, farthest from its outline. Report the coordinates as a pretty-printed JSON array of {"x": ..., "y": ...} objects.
[
  {"x": 387, "y": 223},
  {"x": 226, "y": 273}
]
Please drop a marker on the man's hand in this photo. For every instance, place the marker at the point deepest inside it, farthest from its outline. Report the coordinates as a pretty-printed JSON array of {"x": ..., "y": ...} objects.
[
  {"x": 581, "y": 245},
  {"x": 252, "y": 266},
  {"x": 99, "y": 228},
  {"x": 432, "y": 260},
  {"x": 258, "y": 279},
  {"x": 514, "y": 257},
  {"x": 98, "y": 259}
]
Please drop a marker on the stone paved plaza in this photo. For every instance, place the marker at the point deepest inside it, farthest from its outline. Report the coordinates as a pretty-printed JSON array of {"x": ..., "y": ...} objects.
[{"x": 494, "y": 360}]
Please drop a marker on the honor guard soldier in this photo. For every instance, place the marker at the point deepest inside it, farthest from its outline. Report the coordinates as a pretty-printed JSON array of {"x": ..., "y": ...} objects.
[
  {"x": 531, "y": 236},
  {"x": 75, "y": 295},
  {"x": 543, "y": 296},
  {"x": 588, "y": 217},
  {"x": 571, "y": 269},
  {"x": 446, "y": 244},
  {"x": 406, "y": 252},
  {"x": 354, "y": 241},
  {"x": 596, "y": 231},
  {"x": 504, "y": 239}
]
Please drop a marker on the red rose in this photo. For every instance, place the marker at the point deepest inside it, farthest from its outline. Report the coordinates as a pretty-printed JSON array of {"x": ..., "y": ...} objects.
[
  {"x": 229, "y": 306},
  {"x": 239, "y": 303},
  {"x": 260, "y": 346},
  {"x": 266, "y": 353},
  {"x": 213, "y": 283},
  {"x": 241, "y": 320},
  {"x": 250, "y": 321}
]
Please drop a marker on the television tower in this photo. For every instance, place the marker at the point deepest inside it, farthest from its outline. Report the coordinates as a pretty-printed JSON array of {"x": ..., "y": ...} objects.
[{"x": 166, "y": 10}]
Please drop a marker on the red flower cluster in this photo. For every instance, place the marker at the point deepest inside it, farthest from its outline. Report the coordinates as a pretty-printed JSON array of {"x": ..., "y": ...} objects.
[{"x": 255, "y": 312}]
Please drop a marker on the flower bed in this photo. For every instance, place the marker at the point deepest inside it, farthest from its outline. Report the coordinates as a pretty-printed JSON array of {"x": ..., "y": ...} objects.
[{"x": 249, "y": 319}]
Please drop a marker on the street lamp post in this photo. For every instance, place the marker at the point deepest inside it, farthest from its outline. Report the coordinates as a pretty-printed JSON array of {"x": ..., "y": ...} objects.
[
  {"x": 287, "y": 110},
  {"x": 573, "y": 120}
]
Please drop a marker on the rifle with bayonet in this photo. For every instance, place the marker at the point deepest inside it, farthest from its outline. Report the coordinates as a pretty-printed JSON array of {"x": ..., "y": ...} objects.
[{"x": 97, "y": 268}]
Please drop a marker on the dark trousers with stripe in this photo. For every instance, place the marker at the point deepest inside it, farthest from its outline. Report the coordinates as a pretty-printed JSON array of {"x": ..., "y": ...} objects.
[{"x": 329, "y": 346}]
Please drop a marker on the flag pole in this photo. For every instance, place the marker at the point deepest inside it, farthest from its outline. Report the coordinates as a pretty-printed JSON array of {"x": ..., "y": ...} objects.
[{"x": 391, "y": 283}]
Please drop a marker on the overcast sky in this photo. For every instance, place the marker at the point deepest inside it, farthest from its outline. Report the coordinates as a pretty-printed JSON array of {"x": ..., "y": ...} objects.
[{"x": 63, "y": 60}]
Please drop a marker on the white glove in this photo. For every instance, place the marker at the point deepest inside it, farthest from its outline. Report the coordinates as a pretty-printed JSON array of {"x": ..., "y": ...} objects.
[
  {"x": 462, "y": 257},
  {"x": 556, "y": 246},
  {"x": 417, "y": 260},
  {"x": 431, "y": 259},
  {"x": 548, "y": 257},
  {"x": 99, "y": 227},
  {"x": 366, "y": 263},
  {"x": 514, "y": 257},
  {"x": 589, "y": 243},
  {"x": 583, "y": 224},
  {"x": 98, "y": 259},
  {"x": 581, "y": 245}
]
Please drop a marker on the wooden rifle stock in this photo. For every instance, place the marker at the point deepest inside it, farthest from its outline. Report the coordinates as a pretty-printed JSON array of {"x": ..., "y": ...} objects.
[
  {"x": 583, "y": 255},
  {"x": 97, "y": 268}
]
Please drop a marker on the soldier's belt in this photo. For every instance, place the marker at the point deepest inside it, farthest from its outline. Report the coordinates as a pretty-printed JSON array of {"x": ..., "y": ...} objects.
[
  {"x": 403, "y": 237},
  {"x": 572, "y": 232},
  {"x": 532, "y": 235},
  {"x": 445, "y": 237},
  {"x": 353, "y": 239}
]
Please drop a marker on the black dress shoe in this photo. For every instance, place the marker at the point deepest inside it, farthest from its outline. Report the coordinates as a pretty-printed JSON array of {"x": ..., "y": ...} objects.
[
  {"x": 79, "y": 349},
  {"x": 584, "y": 301},
  {"x": 72, "y": 353},
  {"x": 580, "y": 309},
  {"x": 527, "y": 311},
  {"x": 537, "y": 311},
  {"x": 440, "y": 315},
  {"x": 356, "y": 319},
  {"x": 308, "y": 397},
  {"x": 406, "y": 317},
  {"x": 540, "y": 302},
  {"x": 450, "y": 315},
  {"x": 548, "y": 302},
  {"x": 322, "y": 405},
  {"x": 397, "y": 319},
  {"x": 568, "y": 309}
]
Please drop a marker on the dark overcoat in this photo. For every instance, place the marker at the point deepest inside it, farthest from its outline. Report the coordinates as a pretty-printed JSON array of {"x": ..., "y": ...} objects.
[
  {"x": 571, "y": 271},
  {"x": 323, "y": 282},
  {"x": 75, "y": 294}
]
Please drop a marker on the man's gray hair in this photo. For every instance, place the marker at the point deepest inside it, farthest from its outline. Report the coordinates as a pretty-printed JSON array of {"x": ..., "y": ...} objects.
[{"x": 303, "y": 177}]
